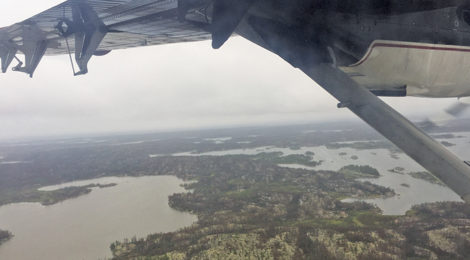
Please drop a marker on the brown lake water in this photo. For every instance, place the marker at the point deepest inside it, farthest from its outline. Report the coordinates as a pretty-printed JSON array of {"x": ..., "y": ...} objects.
[{"x": 84, "y": 227}]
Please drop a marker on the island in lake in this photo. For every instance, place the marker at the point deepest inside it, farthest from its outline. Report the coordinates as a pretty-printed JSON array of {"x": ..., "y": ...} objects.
[
  {"x": 254, "y": 209},
  {"x": 294, "y": 192},
  {"x": 52, "y": 197},
  {"x": 5, "y": 236}
]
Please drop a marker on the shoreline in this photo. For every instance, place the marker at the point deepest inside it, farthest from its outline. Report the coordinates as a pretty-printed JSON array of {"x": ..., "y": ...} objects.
[{"x": 5, "y": 236}]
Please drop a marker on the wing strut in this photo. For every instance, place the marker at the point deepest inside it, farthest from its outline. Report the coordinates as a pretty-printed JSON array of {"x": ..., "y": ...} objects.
[
  {"x": 70, "y": 55},
  {"x": 290, "y": 44},
  {"x": 418, "y": 145}
]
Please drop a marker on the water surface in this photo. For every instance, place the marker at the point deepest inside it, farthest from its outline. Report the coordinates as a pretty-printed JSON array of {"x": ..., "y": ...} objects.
[
  {"x": 84, "y": 227},
  {"x": 419, "y": 191}
]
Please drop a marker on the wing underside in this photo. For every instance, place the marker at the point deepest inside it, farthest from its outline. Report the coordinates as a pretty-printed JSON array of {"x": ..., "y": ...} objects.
[{"x": 94, "y": 27}]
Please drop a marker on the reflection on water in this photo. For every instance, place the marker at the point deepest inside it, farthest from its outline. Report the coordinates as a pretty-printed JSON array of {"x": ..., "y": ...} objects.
[{"x": 84, "y": 227}]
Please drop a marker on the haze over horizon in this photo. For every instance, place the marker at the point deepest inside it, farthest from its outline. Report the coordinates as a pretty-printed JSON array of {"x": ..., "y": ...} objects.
[{"x": 177, "y": 86}]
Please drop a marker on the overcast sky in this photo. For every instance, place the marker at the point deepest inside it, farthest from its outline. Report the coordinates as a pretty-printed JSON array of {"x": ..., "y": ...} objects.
[{"x": 167, "y": 87}]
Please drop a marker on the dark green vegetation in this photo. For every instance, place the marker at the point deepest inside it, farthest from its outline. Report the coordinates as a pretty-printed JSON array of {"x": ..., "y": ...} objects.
[
  {"x": 359, "y": 171},
  {"x": 45, "y": 197},
  {"x": 60, "y": 161},
  {"x": 278, "y": 158},
  {"x": 447, "y": 144},
  {"x": 445, "y": 136},
  {"x": 426, "y": 176},
  {"x": 49, "y": 197},
  {"x": 365, "y": 145},
  {"x": 251, "y": 208},
  {"x": 399, "y": 170},
  {"x": 4, "y": 236},
  {"x": 247, "y": 205},
  {"x": 418, "y": 175}
]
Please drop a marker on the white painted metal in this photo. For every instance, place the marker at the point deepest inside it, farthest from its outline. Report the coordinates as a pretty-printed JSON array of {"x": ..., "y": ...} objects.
[{"x": 427, "y": 70}]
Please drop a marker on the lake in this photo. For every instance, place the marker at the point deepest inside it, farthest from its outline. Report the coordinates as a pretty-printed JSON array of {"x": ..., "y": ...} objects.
[
  {"x": 409, "y": 191},
  {"x": 85, "y": 227}
]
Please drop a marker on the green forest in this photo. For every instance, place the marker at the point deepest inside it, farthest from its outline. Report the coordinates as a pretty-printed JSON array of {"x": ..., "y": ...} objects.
[
  {"x": 250, "y": 209},
  {"x": 247, "y": 205}
]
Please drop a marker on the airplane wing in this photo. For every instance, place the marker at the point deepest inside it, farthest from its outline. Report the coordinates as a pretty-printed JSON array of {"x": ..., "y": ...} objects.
[
  {"x": 320, "y": 63},
  {"x": 95, "y": 27},
  {"x": 320, "y": 37}
]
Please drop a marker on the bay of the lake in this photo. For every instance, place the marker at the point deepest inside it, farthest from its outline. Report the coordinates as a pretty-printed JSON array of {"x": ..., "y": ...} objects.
[{"x": 85, "y": 227}]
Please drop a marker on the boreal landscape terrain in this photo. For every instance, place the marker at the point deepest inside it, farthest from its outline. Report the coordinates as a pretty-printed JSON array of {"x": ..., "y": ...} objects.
[{"x": 250, "y": 204}]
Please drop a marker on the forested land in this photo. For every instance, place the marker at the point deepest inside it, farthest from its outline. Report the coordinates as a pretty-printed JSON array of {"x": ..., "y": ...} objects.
[
  {"x": 4, "y": 236},
  {"x": 247, "y": 206}
]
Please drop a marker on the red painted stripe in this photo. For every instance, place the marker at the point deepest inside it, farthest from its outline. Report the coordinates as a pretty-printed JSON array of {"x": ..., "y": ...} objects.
[{"x": 407, "y": 46}]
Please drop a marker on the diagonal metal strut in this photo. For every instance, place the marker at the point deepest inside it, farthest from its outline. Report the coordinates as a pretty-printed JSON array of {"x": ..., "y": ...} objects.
[
  {"x": 432, "y": 155},
  {"x": 308, "y": 55}
]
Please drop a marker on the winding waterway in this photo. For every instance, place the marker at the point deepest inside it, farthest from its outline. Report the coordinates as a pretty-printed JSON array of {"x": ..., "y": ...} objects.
[{"x": 84, "y": 227}]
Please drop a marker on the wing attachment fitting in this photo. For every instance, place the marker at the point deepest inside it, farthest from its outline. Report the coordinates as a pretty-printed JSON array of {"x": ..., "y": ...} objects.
[
  {"x": 88, "y": 30},
  {"x": 35, "y": 36},
  {"x": 7, "y": 54},
  {"x": 226, "y": 16},
  {"x": 34, "y": 47}
]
